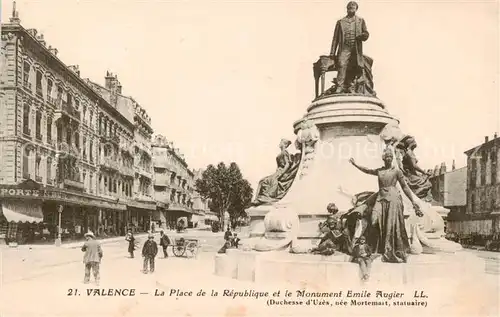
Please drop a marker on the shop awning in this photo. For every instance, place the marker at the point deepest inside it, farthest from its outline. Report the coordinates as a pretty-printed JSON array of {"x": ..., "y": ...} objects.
[
  {"x": 211, "y": 217},
  {"x": 22, "y": 212}
]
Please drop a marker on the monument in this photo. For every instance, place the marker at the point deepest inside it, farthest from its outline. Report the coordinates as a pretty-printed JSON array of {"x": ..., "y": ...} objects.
[{"x": 345, "y": 128}]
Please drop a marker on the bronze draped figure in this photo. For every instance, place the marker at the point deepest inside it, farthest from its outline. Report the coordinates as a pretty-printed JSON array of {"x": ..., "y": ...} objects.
[{"x": 274, "y": 187}]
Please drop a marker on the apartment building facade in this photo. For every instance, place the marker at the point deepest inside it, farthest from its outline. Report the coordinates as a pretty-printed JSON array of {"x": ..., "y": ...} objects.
[
  {"x": 173, "y": 184},
  {"x": 131, "y": 153},
  {"x": 75, "y": 157},
  {"x": 483, "y": 188},
  {"x": 51, "y": 141}
]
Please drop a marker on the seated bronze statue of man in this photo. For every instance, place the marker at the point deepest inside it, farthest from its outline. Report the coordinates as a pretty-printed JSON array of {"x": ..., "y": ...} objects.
[{"x": 336, "y": 237}]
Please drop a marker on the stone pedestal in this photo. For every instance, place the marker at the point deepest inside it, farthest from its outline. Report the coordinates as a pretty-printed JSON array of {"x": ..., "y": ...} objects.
[
  {"x": 349, "y": 126},
  {"x": 313, "y": 271}
]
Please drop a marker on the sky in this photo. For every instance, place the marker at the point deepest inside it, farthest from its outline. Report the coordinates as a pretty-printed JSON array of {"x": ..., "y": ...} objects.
[{"x": 225, "y": 80}]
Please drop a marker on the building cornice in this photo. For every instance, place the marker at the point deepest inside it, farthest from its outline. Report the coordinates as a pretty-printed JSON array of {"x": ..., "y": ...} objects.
[{"x": 86, "y": 87}]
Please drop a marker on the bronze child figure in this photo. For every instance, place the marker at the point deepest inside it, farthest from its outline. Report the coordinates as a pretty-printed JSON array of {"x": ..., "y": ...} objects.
[{"x": 362, "y": 255}]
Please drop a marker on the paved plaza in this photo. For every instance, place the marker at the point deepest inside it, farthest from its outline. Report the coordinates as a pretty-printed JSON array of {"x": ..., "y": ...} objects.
[{"x": 49, "y": 282}]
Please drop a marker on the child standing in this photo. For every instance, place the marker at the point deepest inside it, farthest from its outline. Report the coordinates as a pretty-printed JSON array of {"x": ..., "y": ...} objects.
[
  {"x": 149, "y": 252},
  {"x": 236, "y": 241}
]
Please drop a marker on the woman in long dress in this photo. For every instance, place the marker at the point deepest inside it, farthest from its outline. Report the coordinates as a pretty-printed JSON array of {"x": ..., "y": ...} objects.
[
  {"x": 274, "y": 187},
  {"x": 388, "y": 234}
]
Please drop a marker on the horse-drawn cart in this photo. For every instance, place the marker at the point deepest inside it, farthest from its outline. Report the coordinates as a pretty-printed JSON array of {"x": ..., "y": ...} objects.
[{"x": 185, "y": 247}]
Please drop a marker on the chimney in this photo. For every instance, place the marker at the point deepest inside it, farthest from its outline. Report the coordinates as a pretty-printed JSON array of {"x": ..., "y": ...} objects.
[
  {"x": 32, "y": 32},
  {"x": 53, "y": 50},
  {"x": 436, "y": 170},
  {"x": 15, "y": 15},
  {"x": 486, "y": 139},
  {"x": 442, "y": 170},
  {"x": 41, "y": 40},
  {"x": 112, "y": 83},
  {"x": 453, "y": 165},
  {"x": 495, "y": 135},
  {"x": 75, "y": 69}
]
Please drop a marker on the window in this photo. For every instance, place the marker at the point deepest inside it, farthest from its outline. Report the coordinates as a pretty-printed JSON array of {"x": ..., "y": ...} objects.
[
  {"x": 59, "y": 95},
  {"x": 49, "y": 130},
  {"x": 105, "y": 184},
  {"x": 59, "y": 133},
  {"x": 91, "y": 152},
  {"x": 69, "y": 99},
  {"x": 49, "y": 90},
  {"x": 493, "y": 171},
  {"x": 26, "y": 163},
  {"x": 49, "y": 169},
  {"x": 484, "y": 157},
  {"x": 37, "y": 167},
  {"x": 91, "y": 187},
  {"x": 110, "y": 186},
  {"x": 84, "y": 114},
  {"x": 26, "y": 119},
  {"x": 84, "y": 148},
  {"x": 91, "y": 114},
  {"x": 39, "y": 84},
  {"x": 68, "y": 138},
  {"x": 77, "y": 141},
  {"x": 26, "y": 75},
  {"x": 85, "y": 178},
  {"x": 38, "y": 125}
]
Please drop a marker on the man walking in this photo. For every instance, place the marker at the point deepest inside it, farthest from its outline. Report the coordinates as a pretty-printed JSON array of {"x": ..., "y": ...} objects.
[
  {"x": 164, "y": 242},
  {"x": 149, "y": 252},
  {"x": 92, "y": 257},
  {"x": 131, "y": 243}
]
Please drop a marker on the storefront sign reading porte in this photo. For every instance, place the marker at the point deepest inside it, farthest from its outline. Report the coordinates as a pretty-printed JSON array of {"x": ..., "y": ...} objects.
[{"x": 57, "y": 195}]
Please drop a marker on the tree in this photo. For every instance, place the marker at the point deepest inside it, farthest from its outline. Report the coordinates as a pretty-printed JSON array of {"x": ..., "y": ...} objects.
[{"x": 226, "y": 189}]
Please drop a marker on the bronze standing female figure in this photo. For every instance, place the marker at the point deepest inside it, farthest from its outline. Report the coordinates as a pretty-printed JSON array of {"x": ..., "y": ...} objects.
[{"x": 388, "y": 234}]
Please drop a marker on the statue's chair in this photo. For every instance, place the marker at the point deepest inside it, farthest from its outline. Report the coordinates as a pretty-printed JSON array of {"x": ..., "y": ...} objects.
[{"x": 328, "y": 63}]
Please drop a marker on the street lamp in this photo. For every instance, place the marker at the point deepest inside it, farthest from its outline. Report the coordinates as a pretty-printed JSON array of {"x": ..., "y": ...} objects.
[{"x": 59, "y": 229}]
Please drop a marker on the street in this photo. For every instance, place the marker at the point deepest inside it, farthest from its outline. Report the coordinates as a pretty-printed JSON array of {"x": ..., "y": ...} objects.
[{"x": 49, "y": 282}]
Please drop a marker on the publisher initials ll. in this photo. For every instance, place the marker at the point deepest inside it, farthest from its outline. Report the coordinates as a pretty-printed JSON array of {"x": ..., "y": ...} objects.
[{"x": 419, "y": 294}]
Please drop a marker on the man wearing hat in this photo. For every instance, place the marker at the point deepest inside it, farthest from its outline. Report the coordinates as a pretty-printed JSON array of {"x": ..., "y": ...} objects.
[
  {"x": 92, "y": 257},
  {"x": 149, "y": 252},
  {"x": 164, "y": 242}
]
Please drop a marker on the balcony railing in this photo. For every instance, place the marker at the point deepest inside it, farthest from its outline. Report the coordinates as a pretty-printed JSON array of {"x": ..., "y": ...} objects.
[
  {"x": 111, "y": 138},
  {"x": 27, "y": 84},
  {"x": 110, "y": 163},
  {"x": 27, "y": 132},
  {"x": 51, "y": 100},
  {"x": 26, "y": 175},
  {"x": 38, "y": 179},
  {"x": 127, "y": 171},
  {"x": 73, "y": 184},
  {"x": 39, "y": 92},
  {"x": 49, "y": 181},
  {"x": 65, "y": 108},
  {"x": 144, "y": 172},
  {"x": 162, "y": 180},
  {"x": 39, "y": 137}
]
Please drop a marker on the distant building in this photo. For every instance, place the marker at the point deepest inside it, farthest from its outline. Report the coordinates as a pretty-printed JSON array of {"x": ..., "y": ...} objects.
[
  {"x": 449, "y": 189},
  {"x": 130, "y": 168},
  {"x": 200, "y": 204},
  {"x": 482, "y": 211},
  {"x": 173, "y": 183}
]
